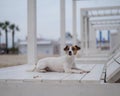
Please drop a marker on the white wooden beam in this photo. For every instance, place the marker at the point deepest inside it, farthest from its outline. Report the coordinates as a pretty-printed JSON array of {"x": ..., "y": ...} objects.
[
  {"x": 103, "y": 15},
  {"x": 62, "y": 25},
  {"x": 106, "y": 21},
  {"x": 106, "y": 27},
  {"x": 101, "y": 8},
  {"x": 32, "y": 46},
  {"x": 100, "y": 20}
]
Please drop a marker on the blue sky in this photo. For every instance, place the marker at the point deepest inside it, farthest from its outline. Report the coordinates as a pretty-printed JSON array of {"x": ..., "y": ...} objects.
[{"x": 48, "y": 15}]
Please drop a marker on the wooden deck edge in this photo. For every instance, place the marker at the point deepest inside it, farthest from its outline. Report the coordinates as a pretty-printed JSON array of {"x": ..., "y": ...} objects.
[
  {"x": 47, "y": 89},
  {"x": 114, "y": 77}
]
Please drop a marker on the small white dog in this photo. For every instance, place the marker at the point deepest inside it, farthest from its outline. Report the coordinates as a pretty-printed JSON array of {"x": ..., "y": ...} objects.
[{"x": 60, "y": 64}]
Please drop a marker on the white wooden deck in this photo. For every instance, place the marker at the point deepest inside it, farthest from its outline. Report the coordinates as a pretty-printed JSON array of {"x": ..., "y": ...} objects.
[
  {"x": 20, "y": 74},
  {"x": 16, "y": 81}
]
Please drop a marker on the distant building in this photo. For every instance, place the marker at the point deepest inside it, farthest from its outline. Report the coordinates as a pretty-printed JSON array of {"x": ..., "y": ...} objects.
[
  {"x": 103, "y": 45},
  {"x": 44, "y": 46},
  {"x": 110, "y": 43}
]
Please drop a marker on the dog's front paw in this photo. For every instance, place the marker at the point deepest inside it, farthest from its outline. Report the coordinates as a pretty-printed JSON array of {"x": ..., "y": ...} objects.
[
  {"x": 86, "y": 71},
  {"x": 81, "y": 72},
  {"x": 42, "y": 71}
]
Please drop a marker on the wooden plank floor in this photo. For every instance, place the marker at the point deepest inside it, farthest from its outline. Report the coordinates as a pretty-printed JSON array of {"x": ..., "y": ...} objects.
[{"x": 20, "y": 74}]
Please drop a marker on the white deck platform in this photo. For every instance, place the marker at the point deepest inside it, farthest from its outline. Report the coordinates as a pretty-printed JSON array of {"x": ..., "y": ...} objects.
[
  {"x": 19, "y": 74},
  {"x": 16, "y": 81}
]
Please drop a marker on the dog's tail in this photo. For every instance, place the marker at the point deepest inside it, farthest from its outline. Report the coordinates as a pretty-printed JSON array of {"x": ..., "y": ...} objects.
[{"x": 32, "y": 69}]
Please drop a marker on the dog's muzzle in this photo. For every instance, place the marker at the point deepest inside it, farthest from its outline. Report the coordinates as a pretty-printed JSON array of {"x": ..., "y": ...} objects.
[{"x": 70, "y": 53}]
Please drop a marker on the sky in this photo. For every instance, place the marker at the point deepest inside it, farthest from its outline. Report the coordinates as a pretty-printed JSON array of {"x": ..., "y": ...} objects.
[{"x": 48, "y": 16}]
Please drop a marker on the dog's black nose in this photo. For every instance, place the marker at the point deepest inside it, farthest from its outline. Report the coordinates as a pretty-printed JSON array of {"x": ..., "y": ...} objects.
[{"x": 70, "y": 53}]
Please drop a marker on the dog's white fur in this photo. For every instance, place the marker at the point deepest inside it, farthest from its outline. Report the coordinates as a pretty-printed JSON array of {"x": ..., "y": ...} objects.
[{"x": 59, "y": 64}]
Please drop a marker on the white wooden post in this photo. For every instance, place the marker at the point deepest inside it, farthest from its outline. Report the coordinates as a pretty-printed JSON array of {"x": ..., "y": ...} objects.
[
  {"x": 74, "y": 23},
  {"x": 82, "y": 30},
  {"x": 32, "y": 46},
  {"x": 94, "y": 39},
  {"x": 90, "y": 36},
  {"x": 62, "y": 26},
  {"x": 86, "y": 35}
]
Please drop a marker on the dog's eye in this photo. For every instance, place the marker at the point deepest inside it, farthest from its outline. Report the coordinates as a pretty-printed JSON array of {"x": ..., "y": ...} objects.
[
  {"x": 73, "y": 48},
  {"x": 68, "y": 48}
]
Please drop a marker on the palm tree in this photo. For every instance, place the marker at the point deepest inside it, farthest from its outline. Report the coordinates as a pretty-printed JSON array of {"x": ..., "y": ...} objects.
[
  {"x": 14, "y": 28},
  {"x": 0, "y": 40},
  {"x": 1, "y": 25},
  {"x": 6, "y": 28}
]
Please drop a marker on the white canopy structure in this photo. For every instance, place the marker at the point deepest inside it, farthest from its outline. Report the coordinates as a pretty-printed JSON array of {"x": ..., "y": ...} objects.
[{"x": 93, "y": 19}]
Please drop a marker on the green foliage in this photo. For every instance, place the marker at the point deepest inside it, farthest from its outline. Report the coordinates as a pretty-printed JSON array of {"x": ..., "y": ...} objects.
[
  {"x": 8, "y": 27},
  {"x": 13, "y": 50}
]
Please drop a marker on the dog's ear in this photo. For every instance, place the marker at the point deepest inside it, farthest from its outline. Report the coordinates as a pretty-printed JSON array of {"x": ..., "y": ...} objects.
[
  {"x": 66, "y": 48},
  {"x": 78, "y": 48}
]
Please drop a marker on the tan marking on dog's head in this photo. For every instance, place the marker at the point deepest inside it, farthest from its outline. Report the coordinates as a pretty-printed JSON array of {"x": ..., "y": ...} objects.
[
  {"x": 66, "y": 48},
  {"x": 75, "y": 49}
]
